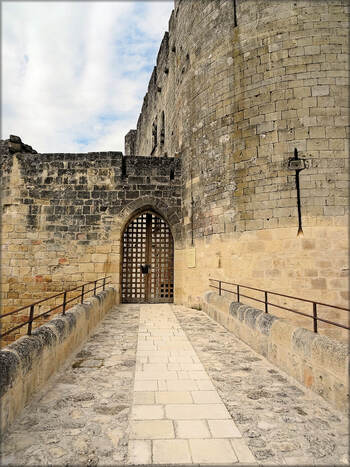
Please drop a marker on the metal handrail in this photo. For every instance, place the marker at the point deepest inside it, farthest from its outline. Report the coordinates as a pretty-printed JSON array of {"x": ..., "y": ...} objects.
[
  {"x": 63, "y": 305},
  {"x": 265, "y": 301}
]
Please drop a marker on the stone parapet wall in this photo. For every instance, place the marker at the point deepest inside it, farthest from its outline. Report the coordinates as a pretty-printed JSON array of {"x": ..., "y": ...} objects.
[
  {"x": 73, "y": 194},
  {"x": 27, "y": 364},
  {"x": 319, "y": 363}
]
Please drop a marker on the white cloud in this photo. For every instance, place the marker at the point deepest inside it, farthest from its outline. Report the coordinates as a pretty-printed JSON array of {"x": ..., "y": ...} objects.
[
  {"x": 155, "y": 19},
  {"x": 74, "y": 73}
]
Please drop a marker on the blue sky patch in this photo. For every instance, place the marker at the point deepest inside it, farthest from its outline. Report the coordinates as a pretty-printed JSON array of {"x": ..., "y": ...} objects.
[{"x": 75, "y": 73}]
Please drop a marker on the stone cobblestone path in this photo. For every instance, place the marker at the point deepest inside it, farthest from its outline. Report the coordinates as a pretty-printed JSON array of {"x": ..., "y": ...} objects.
[{"x": 164, "y": 384}]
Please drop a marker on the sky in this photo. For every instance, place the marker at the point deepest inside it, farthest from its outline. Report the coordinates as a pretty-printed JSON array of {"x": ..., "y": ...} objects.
[{"x": 74, "y": 74}]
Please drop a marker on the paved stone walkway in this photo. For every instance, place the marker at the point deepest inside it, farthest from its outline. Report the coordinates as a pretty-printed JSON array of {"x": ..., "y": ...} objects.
[
  {"x": 177, "y": 415},
  {"x": 198, "y": 395}
]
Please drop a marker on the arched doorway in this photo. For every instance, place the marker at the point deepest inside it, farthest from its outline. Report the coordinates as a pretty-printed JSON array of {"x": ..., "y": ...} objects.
[{"x": 147, "y": 260}]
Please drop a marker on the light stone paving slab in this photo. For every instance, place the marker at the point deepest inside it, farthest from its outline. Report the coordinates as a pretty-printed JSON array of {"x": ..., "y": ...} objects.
[
  {"x": 212, "y": 451},
  {"x": 144, "y": 397},
  {"x": 152, "y": 375},
  {"x": 183, "y": 359},
  {"x": 155, "y": 367},
  {"x": 146, "y": 385},
  {"x": 147, "y": 412},
  {"x": 182, "y": 385},
  {"x": 183, "y": 375},
  {"x": 192, "y": 429},
  {"x": 196, "y": 411},
  {"x": 173, "y": 397},
  {"x": 223, "y": 429},
  {"x": 175, "y": 366},
  {"x": 192, "y": 367},
  {"x": 174, "y": 451},
  {"x": 202, "y": 375},
  {"x": 205, "y": 385},
  {"x": 151, "y": 429},
  {"x": 157, "y": 359},
  {"x": 206, "y": 397}
]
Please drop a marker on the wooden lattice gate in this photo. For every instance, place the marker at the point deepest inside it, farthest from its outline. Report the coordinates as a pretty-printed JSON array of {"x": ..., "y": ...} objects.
[{"x": 147, "y": 261}]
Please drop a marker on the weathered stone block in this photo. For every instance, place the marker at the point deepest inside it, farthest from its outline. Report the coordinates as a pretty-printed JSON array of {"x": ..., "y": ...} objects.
[{"x": 327, "y": 353}]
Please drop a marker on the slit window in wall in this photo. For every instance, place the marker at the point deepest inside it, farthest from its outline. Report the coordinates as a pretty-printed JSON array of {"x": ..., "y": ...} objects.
[
  {"x": 162, "y": 129},
  {"x": 154, "y": 136},
  {"x": 172, "y": 174},
  {"x": 123, "y": 167}
]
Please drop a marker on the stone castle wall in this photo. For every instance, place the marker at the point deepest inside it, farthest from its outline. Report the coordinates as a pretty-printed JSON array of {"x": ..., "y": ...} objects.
[
  {"x": 234, "y": 92},
  {"x": 63, "y": 217},
  {"x": 238, "y": 85}
]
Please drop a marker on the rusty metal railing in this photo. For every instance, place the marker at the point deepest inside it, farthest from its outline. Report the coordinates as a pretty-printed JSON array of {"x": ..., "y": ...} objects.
[
  {"x": 265, "y": 301},
  {"x": 62, "y": 305}
]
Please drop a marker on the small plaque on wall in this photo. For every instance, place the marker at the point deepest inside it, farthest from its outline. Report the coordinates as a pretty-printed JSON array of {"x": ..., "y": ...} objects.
[{"x": 191, "y": 258}]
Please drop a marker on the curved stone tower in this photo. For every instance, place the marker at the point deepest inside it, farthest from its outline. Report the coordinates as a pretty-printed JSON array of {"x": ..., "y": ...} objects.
[{"x": 241, "y": 88}]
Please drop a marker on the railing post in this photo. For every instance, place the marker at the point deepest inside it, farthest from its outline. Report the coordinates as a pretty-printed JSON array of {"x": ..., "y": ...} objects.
[
  {"x": 31, "y": 315},
  {"x": 219, "y": 287},
  {"x": 82, "y": 293},
  {"x": 315, "y": 316},
  {"x": 95, "y": 288},
  {"x": 237, "y": 293},
  {"x": 266, "y": 304},
  {"x": 104, "y": 283},
  {"x": 64, "y": 303}
]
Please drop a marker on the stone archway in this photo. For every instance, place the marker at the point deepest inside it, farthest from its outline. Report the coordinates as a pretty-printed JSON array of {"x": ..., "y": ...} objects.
[
  {"x": 172, "y": 214},
  {"x": 147, "y": 259}
]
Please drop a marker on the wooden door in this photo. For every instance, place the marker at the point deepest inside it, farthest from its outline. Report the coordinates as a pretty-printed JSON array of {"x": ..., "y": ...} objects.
[{"x": 147, "y": 261}]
